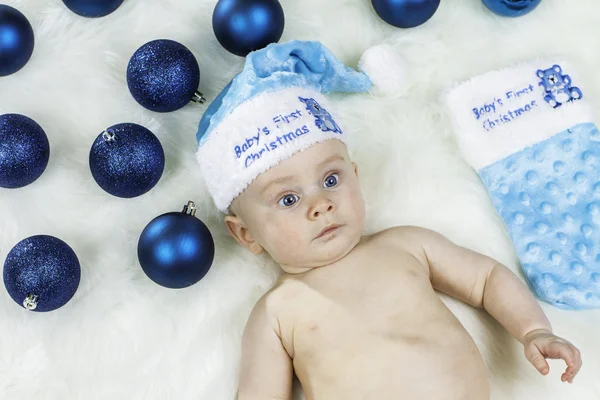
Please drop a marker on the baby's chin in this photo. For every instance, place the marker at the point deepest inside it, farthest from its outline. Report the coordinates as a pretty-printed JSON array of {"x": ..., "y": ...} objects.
[{"x": 323, "y": 253}]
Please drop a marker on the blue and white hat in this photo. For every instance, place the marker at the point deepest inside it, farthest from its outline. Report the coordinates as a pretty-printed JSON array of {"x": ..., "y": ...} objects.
[{"x": 274, "y": 108}]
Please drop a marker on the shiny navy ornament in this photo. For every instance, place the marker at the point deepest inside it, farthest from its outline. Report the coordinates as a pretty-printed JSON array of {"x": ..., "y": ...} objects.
[
  {"x": 16, "y": 40},
  {"x": 176, "y": 249},
  {"x": 24, "y": 151},
  {"x": 511, "y": 8},
  {"x": 242, "y": 26},
  {"x": 405, "y": 13},
  {"x": 127, "y": 160},
  {"x": 92, "y": 8},
  {"x": 41, "y": 273},
  {"x": 163, "y": 76}
]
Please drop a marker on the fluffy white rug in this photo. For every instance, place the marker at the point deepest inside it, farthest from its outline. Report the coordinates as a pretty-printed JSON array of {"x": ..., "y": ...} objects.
[{"x": 122, "y": 336}]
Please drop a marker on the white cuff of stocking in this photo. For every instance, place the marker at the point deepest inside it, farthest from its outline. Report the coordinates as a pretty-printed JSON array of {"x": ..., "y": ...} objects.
[{"x": 504, "y": 111}]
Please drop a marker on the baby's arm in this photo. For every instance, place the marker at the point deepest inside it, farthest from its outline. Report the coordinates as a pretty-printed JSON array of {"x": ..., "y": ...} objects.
[
  {"x": 267, "y": 370},
  {"x": 485, "y": 283}
]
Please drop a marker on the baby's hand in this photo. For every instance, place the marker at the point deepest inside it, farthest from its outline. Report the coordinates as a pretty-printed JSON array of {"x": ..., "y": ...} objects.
[{"x": 541, "y": 344}]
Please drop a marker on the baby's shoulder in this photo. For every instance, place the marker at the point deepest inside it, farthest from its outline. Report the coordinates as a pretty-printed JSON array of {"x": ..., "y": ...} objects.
[
  {"x": 280, "y": 294},
  {"x": 404, "y": 240},
  {"x": 406, "y": 237},
  {"x": 265, "y": 311}
]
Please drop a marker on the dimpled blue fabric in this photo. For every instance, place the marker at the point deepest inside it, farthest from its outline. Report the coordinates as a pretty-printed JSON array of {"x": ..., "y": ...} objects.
[{"x": 549, "y": 198}]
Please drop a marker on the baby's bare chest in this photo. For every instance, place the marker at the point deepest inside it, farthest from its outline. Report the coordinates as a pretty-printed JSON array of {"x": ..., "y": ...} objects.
[
  {"x": 388, "y": 298},
  {"x": 374, "y": 320}
]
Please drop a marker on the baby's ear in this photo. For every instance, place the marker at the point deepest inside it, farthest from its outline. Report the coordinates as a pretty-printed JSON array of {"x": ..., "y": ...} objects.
[
  {"x": 238, "y": 229},
  {"x": 355, "y": 168}
]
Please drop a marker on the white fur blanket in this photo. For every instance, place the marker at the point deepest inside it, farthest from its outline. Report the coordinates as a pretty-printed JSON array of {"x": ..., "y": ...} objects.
[{"x": 124, "y": 337}]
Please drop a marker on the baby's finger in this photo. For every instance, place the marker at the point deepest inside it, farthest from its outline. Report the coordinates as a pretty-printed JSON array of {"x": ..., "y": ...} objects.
[
  {"x": 578, "y": 360},
  {"x": 537, "y": 359},
  {"x": 561, "y": 350},
  {"x": 572, "y": 370}
]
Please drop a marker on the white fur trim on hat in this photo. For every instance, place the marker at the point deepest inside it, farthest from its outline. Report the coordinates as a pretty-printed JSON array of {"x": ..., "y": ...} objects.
[{"x": 259, "y": 134}]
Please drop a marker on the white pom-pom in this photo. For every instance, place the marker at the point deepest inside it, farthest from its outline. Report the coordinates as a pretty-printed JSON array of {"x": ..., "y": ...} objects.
[{"x": 386, "y": 68}]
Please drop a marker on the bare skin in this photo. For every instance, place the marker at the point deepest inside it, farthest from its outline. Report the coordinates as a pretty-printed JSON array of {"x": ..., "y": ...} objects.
[{"x": 357, "y": 317}]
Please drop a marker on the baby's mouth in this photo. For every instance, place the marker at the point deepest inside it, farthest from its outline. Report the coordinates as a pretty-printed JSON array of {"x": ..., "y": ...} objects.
[{"x": 328, "y": 230}]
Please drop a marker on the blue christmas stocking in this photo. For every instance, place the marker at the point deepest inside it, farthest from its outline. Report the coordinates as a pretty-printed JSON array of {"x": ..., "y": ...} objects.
[{"x": 528, "y": 132}]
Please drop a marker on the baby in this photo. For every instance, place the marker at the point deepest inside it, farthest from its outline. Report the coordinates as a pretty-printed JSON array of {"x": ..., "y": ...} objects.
[{"x": 353, "y": 316}]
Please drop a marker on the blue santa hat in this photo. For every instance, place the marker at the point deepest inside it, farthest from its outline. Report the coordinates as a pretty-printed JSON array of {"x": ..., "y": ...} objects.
[{"x": 274, "y": 108}]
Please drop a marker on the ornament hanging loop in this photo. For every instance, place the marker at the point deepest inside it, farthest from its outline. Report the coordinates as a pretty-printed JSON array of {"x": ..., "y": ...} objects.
[
  {"x": 31, "y": 302},
  {"x": 109, "y": 135},
  {"x": 190, "y": 208},
  {"x": 198, "y": 97}
]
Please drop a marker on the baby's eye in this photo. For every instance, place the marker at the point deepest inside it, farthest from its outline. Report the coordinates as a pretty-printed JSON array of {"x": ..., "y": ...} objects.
[
  {"x": 331, "y": 181},
  {"x": 288, "y": 200}
]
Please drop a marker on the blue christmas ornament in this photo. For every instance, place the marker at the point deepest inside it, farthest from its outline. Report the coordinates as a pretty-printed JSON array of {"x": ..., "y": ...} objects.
[
  {"x": 24, "y": 151},
  {"x": 16, "y": 40},
  {"x": 405, "y": 13},
  {"x": 511, "y": 8},
  {"x": 176, "y": 249},
  {"x": 127, "y": 160},
  {"x": 92, "y": 8},
  {"x": 163, "y": 76},
  {"x": 41, "y": 273},
  {"x": 242, "y": 26}
]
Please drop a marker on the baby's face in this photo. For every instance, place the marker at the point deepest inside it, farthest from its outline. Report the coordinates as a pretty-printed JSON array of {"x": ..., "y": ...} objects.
[{"x": 306, "y": 212}]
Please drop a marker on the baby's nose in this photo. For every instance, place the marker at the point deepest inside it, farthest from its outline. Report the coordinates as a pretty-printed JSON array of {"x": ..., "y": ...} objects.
[{"x": 321, "y": 207}]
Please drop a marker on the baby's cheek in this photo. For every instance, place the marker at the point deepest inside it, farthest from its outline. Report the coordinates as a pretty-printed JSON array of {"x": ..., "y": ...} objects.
[
  {"x": 286, "y": 238},
  {"x": 357, "y": 204}
]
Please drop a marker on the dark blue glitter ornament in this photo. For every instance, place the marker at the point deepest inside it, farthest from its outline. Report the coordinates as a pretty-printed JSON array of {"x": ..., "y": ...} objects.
[
  {"x": 92, "y": 8},
  {"x": 163, "y": 76},
  {"x": 127, "y": 160},
  {"x": 511, "y": 8},
  {"x": 41, "y": 273},
  {"x": 24, "y": 151},
  {"x": 242, "y": 26},
  {"x": 176, "y": 249},
  {"x": 405, "y": 13},
  {"x": 16, "y": 40}
]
